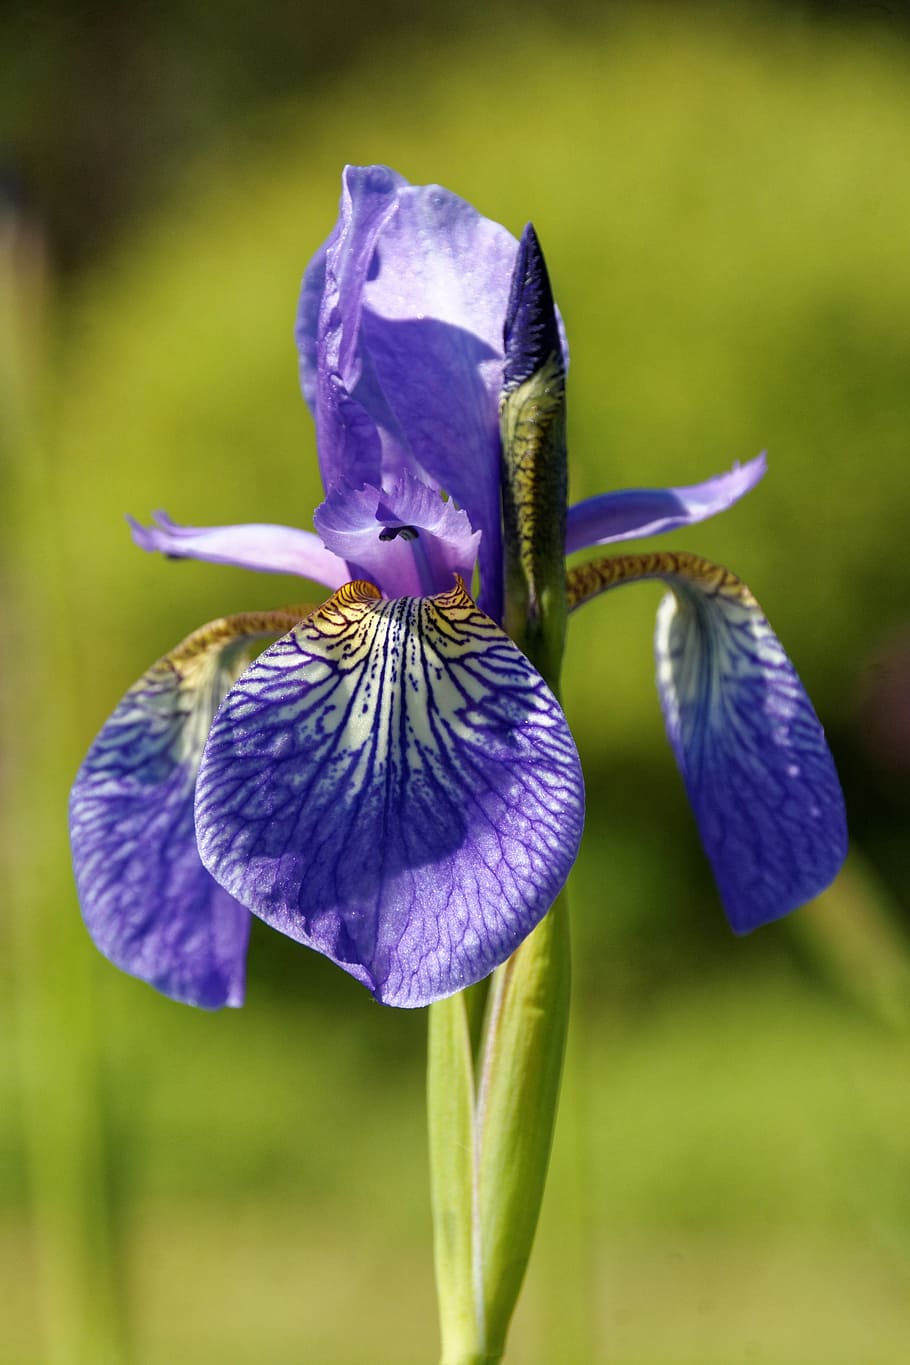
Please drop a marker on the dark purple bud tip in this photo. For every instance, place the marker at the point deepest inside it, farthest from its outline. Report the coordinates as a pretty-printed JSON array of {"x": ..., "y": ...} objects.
[{"x": 530, "y": 334}]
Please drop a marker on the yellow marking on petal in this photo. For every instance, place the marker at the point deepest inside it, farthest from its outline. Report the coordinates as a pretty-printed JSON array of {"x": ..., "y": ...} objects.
[
  {"x": 193, "y": 677},
  {"x": 455, "y": 599},
  {"x": 588, "y": 580},
  {"x": 227, "y": 630},
  {"x": 345, "y": 605},
  {"x": 350, "y": 601}
]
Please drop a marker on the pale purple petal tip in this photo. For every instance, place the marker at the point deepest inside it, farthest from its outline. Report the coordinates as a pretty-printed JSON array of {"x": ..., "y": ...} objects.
[
  {"x": 635, "y": 512},
  {"x": 259, "y": 546}
]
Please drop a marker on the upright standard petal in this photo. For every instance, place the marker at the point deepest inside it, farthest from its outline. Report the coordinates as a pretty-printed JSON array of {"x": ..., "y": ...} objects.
[
  {"x": 266, "y": 548},
  {"x": 332, "y": 366},
  {"x": 409, "y": 540},
  {"x": 749, "y": 745},
  {"x": 405, "y": 368},
  {"x": 148, "y": 902},
  {"x": 394, "y": 785},
  {"x": 632, "y": 513}
]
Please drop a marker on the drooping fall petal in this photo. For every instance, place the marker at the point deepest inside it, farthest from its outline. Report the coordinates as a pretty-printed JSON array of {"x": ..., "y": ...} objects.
[
  {"x": 751, "y": 750},
  {"x": 148, "y": 902},
  {"x": 393, "y": 784}
]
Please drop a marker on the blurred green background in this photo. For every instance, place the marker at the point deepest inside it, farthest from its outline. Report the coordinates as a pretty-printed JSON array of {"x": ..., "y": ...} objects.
[{"x": 723, "y": 194}]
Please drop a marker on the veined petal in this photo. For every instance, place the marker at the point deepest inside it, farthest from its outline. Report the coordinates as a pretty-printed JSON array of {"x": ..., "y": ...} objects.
[
  {"x": 394, "y": 785},
  {"x": 269, "y": 549},
  {"x": 148, "y": 902},
  {"x": 749, "y": 745},
  {"x": 635, "y": 512},
  {"x": 409, "y": 539}
]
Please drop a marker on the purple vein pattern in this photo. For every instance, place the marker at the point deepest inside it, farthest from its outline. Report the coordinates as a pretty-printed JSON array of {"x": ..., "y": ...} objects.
[
  {"x": 751, "y": 750},
  {"x": 148, "y": 902},
  {"x": 750, "y": 747},
  {"x": 393, "y": 784}
]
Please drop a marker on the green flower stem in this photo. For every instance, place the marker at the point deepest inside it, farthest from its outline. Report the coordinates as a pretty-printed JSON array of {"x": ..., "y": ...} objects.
[
  {"x": 450, "y": 1110},
  {"x": 490, "y": 1142},
  {"x": 516, "y": 1110}
]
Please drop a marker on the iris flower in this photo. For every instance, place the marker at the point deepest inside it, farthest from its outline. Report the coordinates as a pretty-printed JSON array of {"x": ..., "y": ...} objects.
[{"x": 391, "y": 782}]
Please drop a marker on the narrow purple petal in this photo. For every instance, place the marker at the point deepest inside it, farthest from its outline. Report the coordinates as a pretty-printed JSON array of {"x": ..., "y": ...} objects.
[
  {"x": 749, "y": 745},
  {"x": 394, "y": 785},
  {"x": 408, "y": 540},
  {"x": 148, "y": 902},
  {"x": 269, "y": 549},
  {"x": 328, "y": 329},
  {"x": 635, "y": 512}
]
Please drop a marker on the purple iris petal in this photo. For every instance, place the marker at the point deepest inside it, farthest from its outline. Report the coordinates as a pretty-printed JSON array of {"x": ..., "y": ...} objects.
[
  {"x": 394, "y": 785},
  {"x": 148, "y": 902},
  {"x": 409, "y": 540},
  {"x": 751, "y": 750},
  {"x": 328, "y": 328},
  {"x": 635, "y": 512},
  {"x": 270, "y": 549},
  {"x": 750, "y": 747},
  {"x": 405, "y": 368}
]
